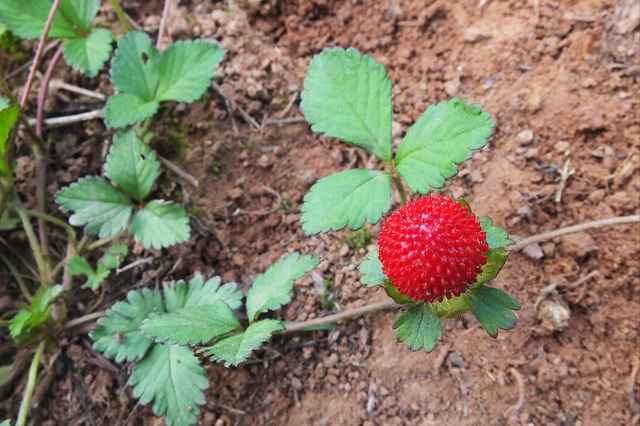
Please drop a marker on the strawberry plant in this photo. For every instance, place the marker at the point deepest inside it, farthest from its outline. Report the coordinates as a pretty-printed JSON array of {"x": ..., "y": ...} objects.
[
  {"x": 86, "y": 47},
  {"x": 157, "y": 332},
  {"x": 435, "y": 256}
]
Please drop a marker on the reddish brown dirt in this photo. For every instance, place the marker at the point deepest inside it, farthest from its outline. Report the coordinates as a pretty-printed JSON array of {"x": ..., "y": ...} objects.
[{"x": 568, "y": 72}]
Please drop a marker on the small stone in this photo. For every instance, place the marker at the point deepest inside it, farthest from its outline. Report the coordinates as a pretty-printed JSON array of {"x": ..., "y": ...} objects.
[
  {"x": 331, "y": 361},
  {"x": 589, "y": 82},
  {"x": 525, "y": 137},
  {"x": 452, "y": 86},
  {"x": 234, "y": 193},
  {"x": 296, "y": 384},
  {"x": 549, "y": 249},
  {"x": 533, "y": 251},
  {"x": 562, "y": 146},
  {"x": 596, "y": 196},
  {"x": 456, "y": 360},
  {"x": 578, "y": 245},
  {"x": 264, "y": 161},
  {"x": 531, "y": 153}
]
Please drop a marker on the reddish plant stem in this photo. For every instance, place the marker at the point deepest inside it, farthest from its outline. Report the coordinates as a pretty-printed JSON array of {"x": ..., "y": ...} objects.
[
  {"x": 44, "y": 90},
  {"x": 163, "y": 21},
  {"x": 39, "y": 51}
]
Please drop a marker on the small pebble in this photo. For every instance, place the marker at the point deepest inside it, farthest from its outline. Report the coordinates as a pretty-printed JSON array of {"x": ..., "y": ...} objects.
[{"x": 525, "y": 137}]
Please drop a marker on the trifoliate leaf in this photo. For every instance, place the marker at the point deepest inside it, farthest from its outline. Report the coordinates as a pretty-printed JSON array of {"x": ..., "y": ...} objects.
[
  {"x": 191, "y": 325},
  {"x": 132, "y": 164},
  {"x": 28, "y": 22},
  {"x": 124, "y": 109},
  {"x": 114, "y": 256},
  {"x": 117, "y": 335},
  {"x": 201, "y": 293},
  {"x": 444, "y": 136},
  {"x": 173, "y": 378},
  {"x": 348, "y": 96},
  {"x": 134, "y": 68},
  {"x": 4, "y": 102},
  {"x": 496, "y": 236},
  {"x": 495, "y": 260},
  {"x": 493, "y": 308},
  {"x": 97, "y": 204},
  {"x": 235, "y": 349},
  {"x": 186, "y": 69},
  {"x": 347, "y": 198},
  {"x": 80, "y": 266},
  {"x": 29, "y": 320},
  {"x": 271, "y": 289},
  {"x": 89, "y": 54},
  {"x": 160, "y": 224},
  {"x": 371, "y": 269},
  {"x": 419, "y": 327}
]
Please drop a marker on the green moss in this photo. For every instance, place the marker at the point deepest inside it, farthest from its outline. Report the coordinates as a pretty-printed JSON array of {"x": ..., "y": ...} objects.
[{"x": 359, "y": 239}]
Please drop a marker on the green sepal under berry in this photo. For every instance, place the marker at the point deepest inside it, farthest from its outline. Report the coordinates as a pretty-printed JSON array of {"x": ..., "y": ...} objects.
[
  {"x": 347, "y": 95},
  {"x": 493, "y": 308},
  {"x": 496, "y": 237},
  {"x": 371, "y": 268},
  {"x": 495, "y": 261},
  {"x": 232, "y": 350},
  {"x": 419, "y": 327},
  {"x": 445, "y": 135},
  {"x": 347, "y": 198}
]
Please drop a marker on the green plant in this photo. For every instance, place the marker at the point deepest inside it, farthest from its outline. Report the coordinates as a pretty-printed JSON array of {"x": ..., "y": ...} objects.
[
  {"x": 106, "y": 210},
  {"x": 156, "y": 331},
  {"x": 348, "y": 96},
  {"x": 85, "y": 47},
  {"x": 144, "y": 77}
]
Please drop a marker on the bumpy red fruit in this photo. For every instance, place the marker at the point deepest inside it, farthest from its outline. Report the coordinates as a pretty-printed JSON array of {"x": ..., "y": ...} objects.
[{"x": 432, "y": 248}]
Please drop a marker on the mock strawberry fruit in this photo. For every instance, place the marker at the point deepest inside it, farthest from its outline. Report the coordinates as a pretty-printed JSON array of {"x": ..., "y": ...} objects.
[{"x": 432, "y": 248}]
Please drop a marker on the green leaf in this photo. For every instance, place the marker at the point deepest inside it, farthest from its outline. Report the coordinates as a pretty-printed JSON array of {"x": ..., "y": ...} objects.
[
  {"x": 173, "y": 378},
  {"x": 235, "y": 349},
  {"x": 271, "y": 289},
  {"x": 89, "y": 54},
  {"x": 134, "y": 69},
  {"x": 419, "y": 327},
  {"x": 8, "y": 117},
  {"x": 186, "y": 69},
  {"x": 8, "y": 223},
  {"x": 80, "y": 266},
  {"x": 160, "y": 224},
  {"x": 104, "y": 209},
  {"x": 191, "y": 325},
  {"x": 132, "y": 164},
  {"x": 80, "y": 12},
  {"x": 444, "y": 136},
  {"x": 114, "y": 256},
  {"x": 117, "y": 335},
  {"x": 6, "y": 423},
  {"x": 348, "y": 96},
  {"x": 349, "y": 197},
  {"x": 201, "y": 293},
  {"x": 28, "y": 22},
  {"x": 124, "y": 109},
  {"x": 493, "y": 308},
  {"x": 496, "y": 236},
  {"x": 371, "y": 269},
  {"x": 4, "y": 102},
  {"x": 29, "y": 320},
  {"x": 495, "y": 260}
]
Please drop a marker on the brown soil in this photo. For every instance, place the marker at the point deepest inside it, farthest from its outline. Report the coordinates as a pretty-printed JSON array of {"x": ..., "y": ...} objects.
[{"x": 561, "y": 80}]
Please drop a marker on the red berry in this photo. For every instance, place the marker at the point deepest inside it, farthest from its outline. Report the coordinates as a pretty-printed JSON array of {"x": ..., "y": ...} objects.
[{"x": 432, "y": 248}]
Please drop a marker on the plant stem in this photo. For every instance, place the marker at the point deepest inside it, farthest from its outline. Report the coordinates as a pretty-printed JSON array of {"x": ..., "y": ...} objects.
[
  {"x": 55, "y": 221},
  {"x": 163, "y": 21},
  {"x": 573, "y": 229},
  {"x": 31, "y": 384},
  {"x": 121, "y": 16},
  {"x": 84, "y": 319},
  {"x": 33, "y": 243},
  {"x": 39, "y": 51},
  {"x": 340, "y": 316},
  {"x": 103, "y": 241},
  {"x": 397, "y": 181},
  {"x": 16, "y": 274},
  {"x": 44, "y": 89}
]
